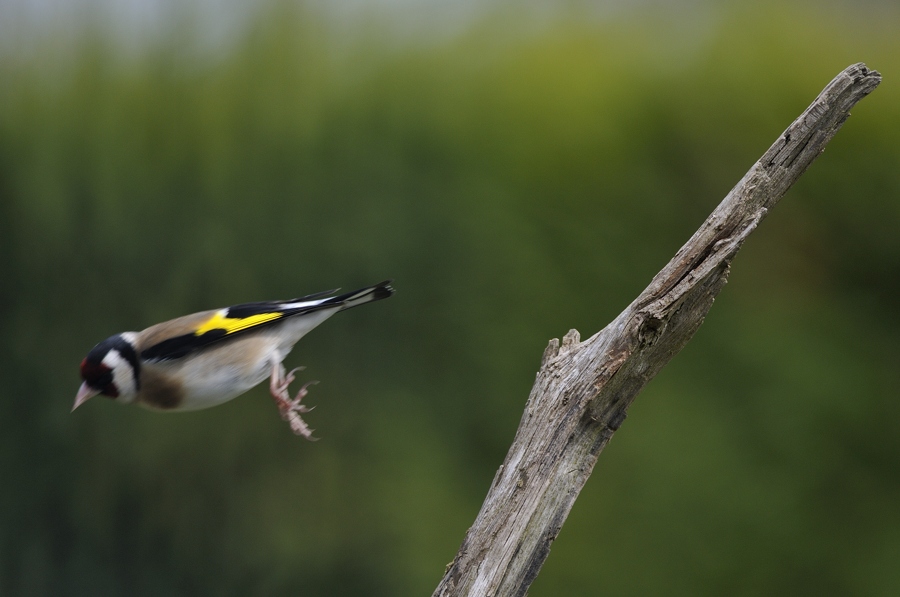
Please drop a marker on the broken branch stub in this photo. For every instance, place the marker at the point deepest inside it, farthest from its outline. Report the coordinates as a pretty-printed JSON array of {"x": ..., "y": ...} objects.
[{"x": 583, "y": 389}]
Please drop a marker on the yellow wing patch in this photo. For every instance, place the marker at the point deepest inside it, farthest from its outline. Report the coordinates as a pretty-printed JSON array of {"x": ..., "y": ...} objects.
[{"x": 232, "y": 325}]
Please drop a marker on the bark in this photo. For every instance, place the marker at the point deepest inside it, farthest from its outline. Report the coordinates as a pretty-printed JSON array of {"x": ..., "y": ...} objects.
[{"x": 583, "y": 389}]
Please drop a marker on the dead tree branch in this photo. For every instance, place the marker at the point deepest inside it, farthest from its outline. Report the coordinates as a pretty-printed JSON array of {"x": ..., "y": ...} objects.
[{"x": 583, "y": 389}]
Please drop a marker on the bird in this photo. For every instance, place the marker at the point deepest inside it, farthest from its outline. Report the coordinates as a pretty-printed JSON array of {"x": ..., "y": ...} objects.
[{"x": 205, "y": 359}]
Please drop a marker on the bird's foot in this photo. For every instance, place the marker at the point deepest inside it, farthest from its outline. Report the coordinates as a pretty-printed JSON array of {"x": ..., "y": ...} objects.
[{"x": 290, "y": 409}]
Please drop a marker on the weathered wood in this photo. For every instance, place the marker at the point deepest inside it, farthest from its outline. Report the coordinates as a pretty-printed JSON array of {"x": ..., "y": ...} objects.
[{"x": 583, "y": 389}]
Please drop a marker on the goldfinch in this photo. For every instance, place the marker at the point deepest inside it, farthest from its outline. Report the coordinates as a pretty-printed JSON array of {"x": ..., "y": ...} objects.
[{"x": 207, "y": 358}]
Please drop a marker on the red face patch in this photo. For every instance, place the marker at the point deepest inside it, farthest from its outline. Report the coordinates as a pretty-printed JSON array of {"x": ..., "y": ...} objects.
[{"x": 99, "y": 377}]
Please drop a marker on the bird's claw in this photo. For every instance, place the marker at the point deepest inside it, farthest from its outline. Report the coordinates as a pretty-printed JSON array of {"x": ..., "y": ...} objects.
[
  {"x": 291, "y": 409},
  {"x": 295, "y": 403},
  {"x": 298, "y": 425}
]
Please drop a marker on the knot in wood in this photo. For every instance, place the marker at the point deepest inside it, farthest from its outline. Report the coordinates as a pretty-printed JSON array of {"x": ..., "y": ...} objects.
[{"x": 650, "y": 330}]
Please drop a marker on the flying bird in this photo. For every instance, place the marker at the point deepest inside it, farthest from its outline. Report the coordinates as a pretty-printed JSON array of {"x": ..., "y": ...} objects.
[{"x": 207, "y": 358}]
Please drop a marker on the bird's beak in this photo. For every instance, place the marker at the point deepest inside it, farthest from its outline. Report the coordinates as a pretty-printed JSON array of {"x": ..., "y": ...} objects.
[{"x": 85, "y": 393}]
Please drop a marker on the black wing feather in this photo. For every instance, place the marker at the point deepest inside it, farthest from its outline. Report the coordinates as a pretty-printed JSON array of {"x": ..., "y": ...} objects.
[{"x": 181, "y": 346}]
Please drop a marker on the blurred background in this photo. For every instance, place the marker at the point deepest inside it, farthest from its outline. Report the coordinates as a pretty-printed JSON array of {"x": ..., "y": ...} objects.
[{"x": 519, "y": 169}]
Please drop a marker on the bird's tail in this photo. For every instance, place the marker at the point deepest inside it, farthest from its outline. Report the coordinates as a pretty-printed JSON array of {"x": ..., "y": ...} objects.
[{"x": 362, "y": 296}]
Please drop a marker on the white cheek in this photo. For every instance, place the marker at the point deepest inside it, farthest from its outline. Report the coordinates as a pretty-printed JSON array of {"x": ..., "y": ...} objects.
[{"x": 123, "y": 374}]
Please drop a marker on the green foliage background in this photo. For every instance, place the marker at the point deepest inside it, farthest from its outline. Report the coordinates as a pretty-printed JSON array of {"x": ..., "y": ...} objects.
[{"x": 516, "y": 178}]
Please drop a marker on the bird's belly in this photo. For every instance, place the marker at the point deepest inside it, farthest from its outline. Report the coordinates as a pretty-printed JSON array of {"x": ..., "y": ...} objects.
[{"x": 216, "y": 387}]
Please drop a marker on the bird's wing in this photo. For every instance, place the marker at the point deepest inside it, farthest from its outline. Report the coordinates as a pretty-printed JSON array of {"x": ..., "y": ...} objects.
[{"x": 180, "y": 337}]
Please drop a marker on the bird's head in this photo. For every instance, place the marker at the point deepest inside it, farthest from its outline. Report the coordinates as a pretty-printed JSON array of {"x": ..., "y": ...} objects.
[{"x": 112, "y": 369}]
